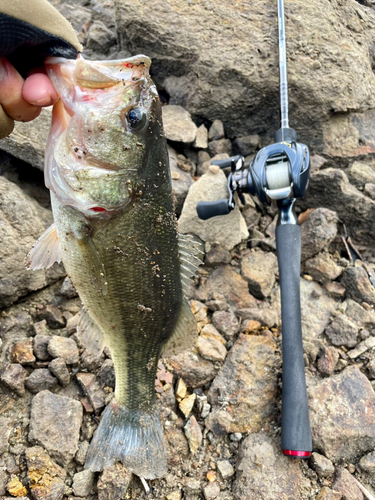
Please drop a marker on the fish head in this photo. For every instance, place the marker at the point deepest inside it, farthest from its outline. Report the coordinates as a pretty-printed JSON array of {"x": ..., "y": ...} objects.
[{"x": 103, "y": 130}]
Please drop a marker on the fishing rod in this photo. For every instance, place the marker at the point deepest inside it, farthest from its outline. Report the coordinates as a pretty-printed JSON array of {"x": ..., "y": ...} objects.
[{"x": 280, "y": 172}]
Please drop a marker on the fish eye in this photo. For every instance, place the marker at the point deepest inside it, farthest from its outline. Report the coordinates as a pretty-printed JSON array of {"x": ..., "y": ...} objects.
[{"x": 136, "y": 118}]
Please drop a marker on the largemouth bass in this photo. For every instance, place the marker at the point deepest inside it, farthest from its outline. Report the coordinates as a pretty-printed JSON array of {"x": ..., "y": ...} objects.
[{"x": 115, "y": 231}]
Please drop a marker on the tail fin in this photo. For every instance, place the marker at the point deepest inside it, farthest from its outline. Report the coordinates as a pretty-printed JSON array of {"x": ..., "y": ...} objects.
[{"x": 132, "y": 437}]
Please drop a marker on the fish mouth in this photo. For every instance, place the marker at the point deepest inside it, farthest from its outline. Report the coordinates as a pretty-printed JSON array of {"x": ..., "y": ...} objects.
[{"x": 99, "y": 74}]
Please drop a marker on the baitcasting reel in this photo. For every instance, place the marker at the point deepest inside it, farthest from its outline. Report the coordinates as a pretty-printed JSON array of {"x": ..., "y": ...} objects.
[{"x": 278, "y": 172}]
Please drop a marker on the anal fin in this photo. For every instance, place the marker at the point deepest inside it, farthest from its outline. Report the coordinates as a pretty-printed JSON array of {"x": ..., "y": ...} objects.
[
  {"x": 185, "y": 333},
  {"x": 90, "y": 333},
  {"x": 45, "y": 252}
]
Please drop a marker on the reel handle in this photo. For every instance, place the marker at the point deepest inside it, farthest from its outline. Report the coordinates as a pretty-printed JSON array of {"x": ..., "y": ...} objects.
[
  {"x": 208, "y": 209},
  {"x": 295, "y": 422},
  {"x": 228, "y": 162}
]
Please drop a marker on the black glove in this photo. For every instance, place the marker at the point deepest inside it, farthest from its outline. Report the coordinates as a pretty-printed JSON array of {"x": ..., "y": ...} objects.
[{"x": 30, "y": 31}]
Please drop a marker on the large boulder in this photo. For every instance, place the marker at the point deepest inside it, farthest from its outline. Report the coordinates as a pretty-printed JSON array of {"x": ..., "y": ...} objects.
[{"x": 221, "y": 61}]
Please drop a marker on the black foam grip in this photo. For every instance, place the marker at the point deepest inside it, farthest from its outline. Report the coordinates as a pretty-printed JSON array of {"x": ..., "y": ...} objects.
[
  {"x": 295, "y": 421},
  {"x": 208, "y": 209},
  {"x": 26, "y": 46}
]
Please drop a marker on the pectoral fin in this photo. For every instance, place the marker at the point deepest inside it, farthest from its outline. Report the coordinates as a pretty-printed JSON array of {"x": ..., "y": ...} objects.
[
  {"x": 185, "y": 333},
  {"x": 45, "y": 252}
]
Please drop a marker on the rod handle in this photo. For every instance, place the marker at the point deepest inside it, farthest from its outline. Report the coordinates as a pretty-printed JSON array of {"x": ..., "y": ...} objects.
[
  {"x": 208, "y": 209},
  {"x": 295, "y": 422}
]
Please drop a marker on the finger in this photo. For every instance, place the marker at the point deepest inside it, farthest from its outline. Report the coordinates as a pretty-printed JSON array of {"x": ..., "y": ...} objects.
[
  {"x": 38, "y": 89},
  {"x": 11, "y": 100}
]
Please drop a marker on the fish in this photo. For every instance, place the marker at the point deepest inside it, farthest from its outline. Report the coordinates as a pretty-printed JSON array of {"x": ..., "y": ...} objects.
[{"x": 115, "y": 230}]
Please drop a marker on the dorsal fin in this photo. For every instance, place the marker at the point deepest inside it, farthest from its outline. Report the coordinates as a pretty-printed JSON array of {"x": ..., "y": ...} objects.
[
  {"x": 90, "y": 333},
  {"x": 189, "y": 260},
  {"x": 45, "y": 252}
]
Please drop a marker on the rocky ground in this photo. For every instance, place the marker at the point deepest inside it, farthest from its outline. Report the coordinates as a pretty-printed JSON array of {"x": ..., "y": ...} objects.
[{"x": 220, "y": 401}]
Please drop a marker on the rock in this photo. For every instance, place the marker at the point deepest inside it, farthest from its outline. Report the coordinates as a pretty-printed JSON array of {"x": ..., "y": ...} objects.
[
  {"x": 58, "y": 367},
  {"x": 55, "y": 422},
  {"x": 228, "y": 230},
  {"x": 219, "y": 422},
  {"x": 113, "y": 482},
  {"x": 247, "y": 382},
  {"x": 14, "y": 377},
  {"x": 217, "y": 255},
  {"x": 194, "y": 434},
  {"x": 362, "y": 347},
  {"x": 92, "y": 390},
  {"x": 28, "y": 140},
  {"x": 328, "y": 494},
  {"x": 370, "y": 190},
  {"x": 83, "y": 483},
  {"x": 22, "y": 352},
  {"x": 100, "y": 38},
  {"x": 181, "y": 181},
  {"x": 216, "y": 131},
  {"x": 195, "y": 371},
  {"x": 205, "y": 165},
  {"x": 201, "y": 139},
  {"x": 336, "y": 290},
  {"x": 318, "y": 231},
  {"x": 342, "y": 332},
  {"x": 174, "y": 495},
  {"x": 181, "y": 389},
  {"x": 15, "y": 487},
  {"x": 361, "y": 173},
  {"x": 322, "y": 465},
  {"x": 322, "y": 268},
  {"x": 327, "y": 363},
  {"x": 259, "y": 269},
  {"x": 266, "y": 317},
  {"x": 263, "y": 473},
  {"x": 345, "y": 484},
  {"x": 220, "y": 146},
  {"x": 210, "y": 332},
  {"x": 211, "y": 491},
  {"x": 67, "y": 289},
  {"x": 40, "y": 379},
  {"x": 106, "y": 375},
  {"x": 358, "y": 286},
  {"x": 359, "y": 315},
  {"x": 367, "y": 463},
  {"x": 226, "y": 322},
  {"x": 46, "y": 478},
  {"x": 52, "y": 315},
  {"x": 178, "y": 125},
  {"x": 211, "y": 349},
  {"x": 338, "y": 434},
  {"x": 331, "y": 188},
  {"x": 6, "y": 426},
  {"x": 186, "y": 405},
  {"x": 41, "y": 346},
  {"x": 3, "y": 482},
  {"x": 66, "y": 348},
  {"x": 251, "y": 217},
  {"x": 72, "y": 323},
  {"x": 225, "y": 468},
  {"x": 317, "y": 308},
  {"x": 22, "y": 221},
  {"x": 246, "y": 145},
  {"x": 40, "y": 327}
]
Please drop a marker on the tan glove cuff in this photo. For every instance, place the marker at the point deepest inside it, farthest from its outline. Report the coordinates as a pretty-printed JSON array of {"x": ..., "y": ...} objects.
[
  {"x": 6, "y": 124},
  {"x": 41, "y": 14}
]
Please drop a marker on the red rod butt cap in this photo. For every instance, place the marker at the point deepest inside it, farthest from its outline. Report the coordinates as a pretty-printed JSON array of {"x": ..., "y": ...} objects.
[{"x": 293, "y": 453}]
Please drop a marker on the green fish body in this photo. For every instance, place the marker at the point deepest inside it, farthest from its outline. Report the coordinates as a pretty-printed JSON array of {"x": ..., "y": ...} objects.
[{"x": 116, "y": 233}]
